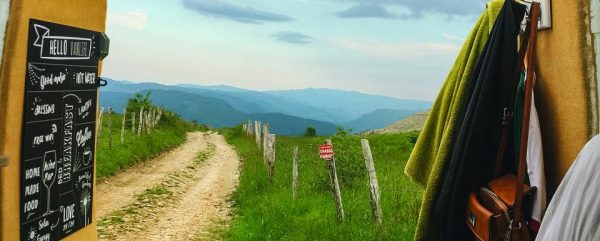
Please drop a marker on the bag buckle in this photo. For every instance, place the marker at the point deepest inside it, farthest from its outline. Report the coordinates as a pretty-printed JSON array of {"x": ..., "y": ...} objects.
[{"x": 510, "y": 229}]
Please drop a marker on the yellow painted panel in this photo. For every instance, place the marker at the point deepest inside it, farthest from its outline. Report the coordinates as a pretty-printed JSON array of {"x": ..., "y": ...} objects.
[
  {"x": 87, "y": 14},
  {"x": 562, "y": 89}
]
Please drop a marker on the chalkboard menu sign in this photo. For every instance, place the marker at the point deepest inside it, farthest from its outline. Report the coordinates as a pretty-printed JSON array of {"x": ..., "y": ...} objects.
[{"x": 59, "y": 128}]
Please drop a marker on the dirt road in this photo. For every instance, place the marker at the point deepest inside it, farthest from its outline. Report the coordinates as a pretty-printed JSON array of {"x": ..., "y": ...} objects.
[{"x": 181, "y": 195}]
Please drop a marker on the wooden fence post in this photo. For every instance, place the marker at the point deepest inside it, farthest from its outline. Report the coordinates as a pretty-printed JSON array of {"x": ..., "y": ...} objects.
[
  {"x": 257, "y": 133},
  {"x": 100, "y": 122},
  {"x": 335, "y": 187},
  {"x": 109, "y": 116},
  {"x": 250, "y": 129},
  {"x": 375, "y": 205},
  {"x": 132, "y": 122},
  {"x": 141, "y": 121},
  {"x": 123, "y": 126},
  {"x": 247, "y": 128},
  {"x": 271, "y": 156},
  {"x": 159, "y": 115},
  {"x": 152, "y": 118},
  {"x": 295, "y": 174},
  {"x": 147, "y": 124},
  {"x": 265, "y": 133}
]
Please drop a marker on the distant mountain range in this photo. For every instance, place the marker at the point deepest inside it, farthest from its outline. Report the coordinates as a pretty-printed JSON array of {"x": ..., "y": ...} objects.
[{"x": 288, "y": 111}]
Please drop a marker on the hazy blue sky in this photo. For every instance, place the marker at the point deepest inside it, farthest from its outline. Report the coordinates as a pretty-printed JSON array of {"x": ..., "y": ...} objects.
[{"x": 399, "y": 48}]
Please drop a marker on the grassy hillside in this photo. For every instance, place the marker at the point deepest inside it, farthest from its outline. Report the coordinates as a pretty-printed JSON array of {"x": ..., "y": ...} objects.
[
  {"x": 414, "y": 122},
  {"x": 265, "y": 212},
  {"x": 169, "y": 133},
  {"x": 377, "y": 119}
]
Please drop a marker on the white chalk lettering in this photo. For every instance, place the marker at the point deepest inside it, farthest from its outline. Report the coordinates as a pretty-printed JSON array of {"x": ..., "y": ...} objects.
[
  {"x": 85, "y": 78},
  {"x": 58, "y": 47},
  {"x": 52, "y": 80},
  {"x": 44, "y": 109},
  {"x": 67, "y": 144},
  {"x": 69, "y": 213},
  {"x": 83, "y": 136},
  {"x": 49, "y": 166},
  {"x": 30, "y": 206},
  {"x": 32, "y": 189},
  {"x": 32, "y": 173},
  {"x": 84, "y": 108},
  {"x": 79, "y": 49},
  {"x": 45, "y": 237},
  {"x": 41, "y": 139}
]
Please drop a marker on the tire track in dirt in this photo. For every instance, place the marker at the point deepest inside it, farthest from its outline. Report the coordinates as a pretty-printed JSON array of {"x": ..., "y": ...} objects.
[
  {"x": 191, "y": 203},
  {"x": 116, "y": 192}
]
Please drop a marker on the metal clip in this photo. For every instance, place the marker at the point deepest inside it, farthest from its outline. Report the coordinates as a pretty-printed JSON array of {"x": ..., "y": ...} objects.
[
  {"x": 510, "y": 229},
  {"x": 102, "y": 82},
  {"x": 3, "y": 161}
]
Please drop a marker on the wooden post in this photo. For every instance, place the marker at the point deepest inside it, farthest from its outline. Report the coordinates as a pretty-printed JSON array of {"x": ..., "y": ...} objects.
[
  {"x": 271, "y": 156},
  {"x": 154, "y": 113},
  {"x": 132, "y": 122},
  {"x": 145, "y": 128},
  {"x": 335, "y": 187},
  {"x": 159, "y": 115},
  {"x": 265, "y": 133},
  {"x": 109, "y": 127},
  {"x": 375, "y": 205},
  {"x": 250, "y": 129},
  {"x": 100, "y": 122},
  {"x": 147, "y": 124},
  {"x": 257, "y": 134},
  {"x": 123, "y": 126},
  {"x": 266, "y": 157},
  {"x": 141, "y": 121},
  {"x": 295, "y": 174},
  {"x": 152, "y": 118}
]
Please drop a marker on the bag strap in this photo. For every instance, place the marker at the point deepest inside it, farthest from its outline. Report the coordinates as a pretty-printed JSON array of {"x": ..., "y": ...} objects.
[
  {"x": 535, "y": 7},
  {"x": 508, "y": 111}
]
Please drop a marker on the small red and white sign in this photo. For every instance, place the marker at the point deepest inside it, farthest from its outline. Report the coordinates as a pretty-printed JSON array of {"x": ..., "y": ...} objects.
[{"x": 326, "y": 152}]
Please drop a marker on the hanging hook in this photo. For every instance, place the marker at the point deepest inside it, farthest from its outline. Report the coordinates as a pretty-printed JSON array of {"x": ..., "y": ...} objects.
[{"x": 102, "y": 82}]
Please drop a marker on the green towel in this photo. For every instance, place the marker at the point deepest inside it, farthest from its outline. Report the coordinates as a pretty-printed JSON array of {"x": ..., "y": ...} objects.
[{"x": 436, "y": 141}]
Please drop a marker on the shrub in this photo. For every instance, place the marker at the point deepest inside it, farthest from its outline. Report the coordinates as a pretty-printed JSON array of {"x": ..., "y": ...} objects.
[
  {"x": 348, "y": 157},
  {"x": 310, "y": 131}
]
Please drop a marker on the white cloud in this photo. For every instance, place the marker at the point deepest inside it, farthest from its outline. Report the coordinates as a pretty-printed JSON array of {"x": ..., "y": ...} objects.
[
  {"x": 399, "y": 50},
  {"x": 129, "y": 19},
  {"x": 453, "y": 37}
]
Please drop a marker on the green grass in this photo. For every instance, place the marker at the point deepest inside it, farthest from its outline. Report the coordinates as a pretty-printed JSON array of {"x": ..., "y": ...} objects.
[
  {"x": 205, "y": 154},
  {"x": 265, "y": 212},
  {"x": 169, "y": 133}
]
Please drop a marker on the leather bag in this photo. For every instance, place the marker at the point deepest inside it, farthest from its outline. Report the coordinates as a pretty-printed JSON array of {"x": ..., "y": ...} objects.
[{"x": 495, "y": 212}]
